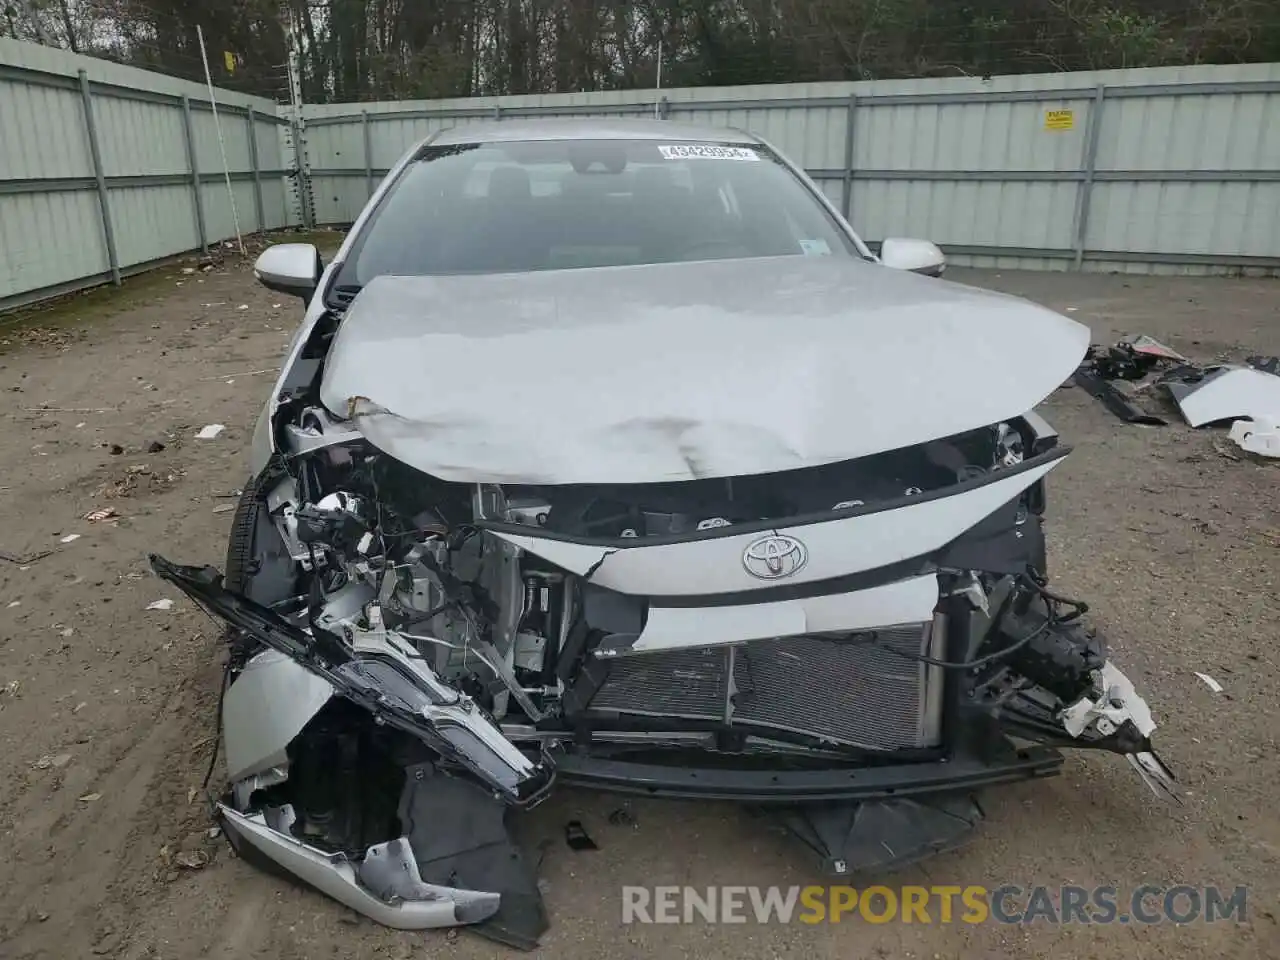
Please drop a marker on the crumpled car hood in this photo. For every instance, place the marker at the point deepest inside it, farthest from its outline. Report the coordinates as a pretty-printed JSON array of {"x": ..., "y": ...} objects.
[{"x": 680, "y": 371}]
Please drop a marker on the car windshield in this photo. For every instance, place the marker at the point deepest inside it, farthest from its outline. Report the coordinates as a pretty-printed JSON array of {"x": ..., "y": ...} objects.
[{"x": 509, "y": 207}]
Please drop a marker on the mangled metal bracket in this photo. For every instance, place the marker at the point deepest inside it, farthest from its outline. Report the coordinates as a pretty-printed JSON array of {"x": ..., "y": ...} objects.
[{"x": 1117, "y": 705}]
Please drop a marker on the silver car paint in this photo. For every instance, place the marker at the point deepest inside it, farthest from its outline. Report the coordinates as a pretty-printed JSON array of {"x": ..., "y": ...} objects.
[
  {"x": 263, "y": 443},
  {"x": 268, "y": 705},
  {"x": 668, "y": 372},
  {"x": 333, "y": 874}
]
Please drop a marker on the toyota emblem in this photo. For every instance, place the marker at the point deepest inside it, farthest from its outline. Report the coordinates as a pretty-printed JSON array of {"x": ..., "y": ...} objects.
[{"x": 774, "y": 557}]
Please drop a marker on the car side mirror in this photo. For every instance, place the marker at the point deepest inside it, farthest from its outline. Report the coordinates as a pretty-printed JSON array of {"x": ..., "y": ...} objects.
[
  {"x": 292, "y": 268},
  {"x": 918, "y": 256}
]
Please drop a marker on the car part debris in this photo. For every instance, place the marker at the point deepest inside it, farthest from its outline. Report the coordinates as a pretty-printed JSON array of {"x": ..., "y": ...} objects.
[
  {"x": 209, "y": 432},
  {"x": 1260, "y": 435},
  {"x": 1209, "y": 682},
  {"x": 577, "y": 838},
  {"x": 1103, "y": 390},
  {"x": 1131, "y": 359},
  {"x": 162, "y": 604},
  {"x": 24, "y": 560},
  {"x": 1215, "y": 394},
  {"x": 1265, "y": 364}
]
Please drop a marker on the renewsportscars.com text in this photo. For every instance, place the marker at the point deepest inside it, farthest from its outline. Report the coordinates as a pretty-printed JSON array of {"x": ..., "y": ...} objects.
[{"x": 1009, "y": 903}]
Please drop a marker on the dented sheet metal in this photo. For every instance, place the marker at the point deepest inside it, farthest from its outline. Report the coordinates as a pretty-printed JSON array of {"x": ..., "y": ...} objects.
[{"x": 681, "y": 371}]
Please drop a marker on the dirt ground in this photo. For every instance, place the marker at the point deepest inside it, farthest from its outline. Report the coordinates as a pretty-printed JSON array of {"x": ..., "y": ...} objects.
[{"x": 106, "y": 706}]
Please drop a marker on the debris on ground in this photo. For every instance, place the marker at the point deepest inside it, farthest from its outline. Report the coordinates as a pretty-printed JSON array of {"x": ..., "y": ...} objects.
[
  {"x": 1128, "y": 361},
  {"x": 90, "y": 797},
  {"x": 623, "y": 817},
  {"x": 576, "y": 836},
  {"x": 1222, "y": 393},
  {"x": 192, "y": 859},
  {"x": 155, "y": 446},
  {"x": 70, "y": 538},
  {"x": 209, "y": 432},
  {"x": 115, "y": 449},
  {"x": 224, "y": 508},
  {"x": 56, "y": 761},
  {"x": 1209, "y": 682},
  {"x": 1121, "y": 375},
  {"x": 29, "y": 558},
  {"x": 1260, "y": 435},
  {"x": 103, "y": 513},
  {"x": 164, "y": 604}
]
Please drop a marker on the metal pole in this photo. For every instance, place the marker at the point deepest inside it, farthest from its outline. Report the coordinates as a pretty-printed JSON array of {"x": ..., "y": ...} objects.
[
  {"x": 104, "y": 204},
  {"x": 657, "y": 86},
  {"x": 1084, "y": 196},
  {"x": 368, "y": 152},
  {"x": 257, "y": 174},
  {"x": 846, "y": 190},
  {"x": 222, "y": 147},
  {"x": 194, "y": 163}
]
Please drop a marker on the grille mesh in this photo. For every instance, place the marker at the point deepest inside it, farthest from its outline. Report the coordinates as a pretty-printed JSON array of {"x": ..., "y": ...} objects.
[{"x": 842, "y": 689}]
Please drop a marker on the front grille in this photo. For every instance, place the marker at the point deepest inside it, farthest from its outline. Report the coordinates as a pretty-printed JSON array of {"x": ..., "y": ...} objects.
[{"x": 843, "y": 689}]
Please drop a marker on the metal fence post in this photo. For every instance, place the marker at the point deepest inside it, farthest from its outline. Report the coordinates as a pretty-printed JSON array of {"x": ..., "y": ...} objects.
[
  {"x": 194, "y": 163},
  {"x": 368, "y": 152},
  {"x": 846, "y": 191},
  {"x": 108, "y": 234},
  {"x": 1084, "y": 196},
  {"x": 257, "y": 173},
  {"x": 664, "y": 108}
]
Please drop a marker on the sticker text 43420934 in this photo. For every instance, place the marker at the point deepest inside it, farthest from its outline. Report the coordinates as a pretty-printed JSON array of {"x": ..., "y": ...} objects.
[{"x": 705, "y": 151}]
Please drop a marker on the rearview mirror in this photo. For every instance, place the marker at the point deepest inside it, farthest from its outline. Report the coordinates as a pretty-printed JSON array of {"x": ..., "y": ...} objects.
[
  {"x": 918, "y": 256},
  {"x": 292, "y": 268}
]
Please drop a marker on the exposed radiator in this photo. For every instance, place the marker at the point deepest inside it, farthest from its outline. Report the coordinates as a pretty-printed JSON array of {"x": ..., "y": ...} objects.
[{"x": 843, "y": 689}]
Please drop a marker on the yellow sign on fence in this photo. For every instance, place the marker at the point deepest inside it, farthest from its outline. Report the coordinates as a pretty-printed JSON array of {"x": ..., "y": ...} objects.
[{"x": 1059, "y": 119}]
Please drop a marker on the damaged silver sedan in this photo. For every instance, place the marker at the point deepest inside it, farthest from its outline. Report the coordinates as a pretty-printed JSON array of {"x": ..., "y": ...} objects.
[{"x": 608, "y": 454}]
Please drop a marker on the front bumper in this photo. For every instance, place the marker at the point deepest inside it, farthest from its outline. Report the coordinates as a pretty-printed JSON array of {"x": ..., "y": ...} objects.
[{"x": 407, "y": 903}]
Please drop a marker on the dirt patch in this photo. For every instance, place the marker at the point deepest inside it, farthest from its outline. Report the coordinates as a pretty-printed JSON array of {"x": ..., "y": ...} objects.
[{"x": 106, "y": 707}]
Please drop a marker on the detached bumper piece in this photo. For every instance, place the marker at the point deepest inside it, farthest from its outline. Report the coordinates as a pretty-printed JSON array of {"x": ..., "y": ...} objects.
[
  {"x": 455, "y": 865},
  {"x": 385, "y": 887},
  {"x": 877, "y": 836}
]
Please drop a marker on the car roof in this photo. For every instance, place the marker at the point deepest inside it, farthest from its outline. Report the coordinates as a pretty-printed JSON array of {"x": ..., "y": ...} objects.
[{"x": 592, "y": 128}]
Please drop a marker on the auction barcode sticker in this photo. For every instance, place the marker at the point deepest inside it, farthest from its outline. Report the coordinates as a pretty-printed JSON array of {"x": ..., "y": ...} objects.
[{"x": 705, "y": 151}]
